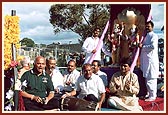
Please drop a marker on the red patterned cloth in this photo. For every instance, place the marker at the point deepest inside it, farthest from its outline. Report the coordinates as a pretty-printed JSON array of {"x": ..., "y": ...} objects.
[
  {"x": 157, "y": 105},
  {"x": 21, "y": 103}
]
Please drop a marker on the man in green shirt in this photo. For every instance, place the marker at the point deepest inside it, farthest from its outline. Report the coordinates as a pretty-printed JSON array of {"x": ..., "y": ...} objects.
[{"x": 38, "y": 92}]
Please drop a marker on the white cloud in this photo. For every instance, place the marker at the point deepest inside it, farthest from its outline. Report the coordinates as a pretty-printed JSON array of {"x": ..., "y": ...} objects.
[
  {"x": 158, "y": 15},
  {"x": 34, "y": 21}
]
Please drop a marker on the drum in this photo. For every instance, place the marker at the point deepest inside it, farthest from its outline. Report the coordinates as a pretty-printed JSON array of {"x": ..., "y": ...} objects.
[{"x": 76, "y": 104}]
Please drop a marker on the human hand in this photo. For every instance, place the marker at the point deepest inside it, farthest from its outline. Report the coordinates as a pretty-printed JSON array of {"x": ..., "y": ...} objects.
[
  {"x": 140, "y": 45},
  {"x": 45, "y": 100},
  {"x": 98, "y": 107},
  {"x": 94, "y": 51},
  {"x": 128, "y": 84},
  {"x": 117, "y": 84},
  {"x": 38, "y": 99},
  {"x": 68, "y": 82}
]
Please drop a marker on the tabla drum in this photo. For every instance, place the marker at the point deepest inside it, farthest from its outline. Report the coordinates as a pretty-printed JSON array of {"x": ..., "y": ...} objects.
[{"x": 76, "y": 104}]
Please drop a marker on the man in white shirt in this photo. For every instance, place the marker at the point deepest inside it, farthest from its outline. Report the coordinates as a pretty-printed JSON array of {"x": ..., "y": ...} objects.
[
  {"x": 55, "y": 74},
  {"x": 149, "y": 61},
  {"x": 90, "y": 44},
  {"x": 89, "y": 86},
  {"x": 70, "y": 76},
  {"x": 96, "y": 70}
]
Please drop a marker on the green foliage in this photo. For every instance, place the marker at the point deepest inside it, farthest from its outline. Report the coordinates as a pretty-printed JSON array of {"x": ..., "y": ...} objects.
[
  {"x": 79, "y": 18},
  {"x": 27, "y": 42}
]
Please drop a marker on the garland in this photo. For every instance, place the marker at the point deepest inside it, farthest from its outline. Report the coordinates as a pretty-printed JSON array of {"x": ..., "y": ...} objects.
[{"x": 11, "y": 35}]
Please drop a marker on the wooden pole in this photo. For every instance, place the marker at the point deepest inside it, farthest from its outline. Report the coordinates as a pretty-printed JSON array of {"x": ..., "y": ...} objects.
[{"x": 13, "y": 13}]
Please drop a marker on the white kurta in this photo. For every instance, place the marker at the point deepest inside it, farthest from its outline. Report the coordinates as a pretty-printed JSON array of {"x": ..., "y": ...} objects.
[
  {"x": 123, "y": 97},
  {"x": 89, "y": 45},
  {"x": 72, "y": 77},
  {"x": 57, "y": 79},
  {"x": 149, "y": 56}
]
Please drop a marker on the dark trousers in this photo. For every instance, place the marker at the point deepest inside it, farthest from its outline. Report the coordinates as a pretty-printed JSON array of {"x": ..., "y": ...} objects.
[
  {"x": 91, "y": 97},
  {"x": 34, "y": 106}
]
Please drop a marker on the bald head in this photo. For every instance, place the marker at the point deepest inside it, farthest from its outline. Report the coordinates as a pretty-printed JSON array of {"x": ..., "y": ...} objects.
[
  {"x": 38, "y": 58},
  {"x": 39, "y": 64}
]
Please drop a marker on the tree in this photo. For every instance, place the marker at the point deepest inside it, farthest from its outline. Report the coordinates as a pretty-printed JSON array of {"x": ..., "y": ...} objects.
[
  {"x": 79, "y": 18},
  {"x": 27, "y": 42}
]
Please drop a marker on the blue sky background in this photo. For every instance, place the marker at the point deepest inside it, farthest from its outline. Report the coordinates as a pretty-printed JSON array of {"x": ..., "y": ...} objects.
[{"x": 34, "y": 21}]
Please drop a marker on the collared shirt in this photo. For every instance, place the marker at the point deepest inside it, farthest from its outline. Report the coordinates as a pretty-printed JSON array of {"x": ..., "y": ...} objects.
[
  {"x": 103, "y": 76},
  {"x": 94, "y": 86},
  {"x": 37, "y": 85},
  {"x": 89, "y": 45},
  {"x": 57, "y": 80},
  {"x": 72, "y": 77}
]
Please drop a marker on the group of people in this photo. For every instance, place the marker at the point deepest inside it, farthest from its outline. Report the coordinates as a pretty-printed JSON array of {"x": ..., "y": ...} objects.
[{"x": 46, "y": 86}]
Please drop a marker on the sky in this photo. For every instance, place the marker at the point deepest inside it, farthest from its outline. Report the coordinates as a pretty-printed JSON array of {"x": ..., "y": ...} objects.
[{"x": 34, "y": 21}]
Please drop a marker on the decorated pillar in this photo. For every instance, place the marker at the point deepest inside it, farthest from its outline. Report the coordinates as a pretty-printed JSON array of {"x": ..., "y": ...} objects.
[{"x": 11, "y": 43}]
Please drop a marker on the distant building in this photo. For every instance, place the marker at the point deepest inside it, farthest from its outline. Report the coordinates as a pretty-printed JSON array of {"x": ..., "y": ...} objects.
[{"x": 67, "y": 47}]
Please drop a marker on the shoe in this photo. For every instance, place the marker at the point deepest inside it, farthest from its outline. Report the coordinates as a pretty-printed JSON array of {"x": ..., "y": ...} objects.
[
  {"x": 147, "y": 95},
  {"x": 149, "y": 99}
]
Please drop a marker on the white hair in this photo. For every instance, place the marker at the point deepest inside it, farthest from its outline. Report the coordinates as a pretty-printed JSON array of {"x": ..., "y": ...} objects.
[{"x": 25, "y": 61}]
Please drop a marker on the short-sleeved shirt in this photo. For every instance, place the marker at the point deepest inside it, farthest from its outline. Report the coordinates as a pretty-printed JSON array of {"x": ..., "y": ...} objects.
[
  {"x": 94, "y": 86},
  {"x": 57, "y": 79},
  {"x": 103, "y": 76},
  {"x": 37, "y": 85},
  {"x": 73, "y": 76}
]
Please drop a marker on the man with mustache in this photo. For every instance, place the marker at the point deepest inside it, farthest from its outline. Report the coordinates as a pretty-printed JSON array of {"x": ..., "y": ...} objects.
[
  {"x": 150, "y": 61},
  {"x": 70, "y": 76},
  {"x": 96, "y": 65},
  {"x": 90, "y": 44},
  {"x": 124, "y": 87},
  {"x": 38, "y": 92},
  {"x": 55, "y": 75},
  {"x": 89, "y": 87}
]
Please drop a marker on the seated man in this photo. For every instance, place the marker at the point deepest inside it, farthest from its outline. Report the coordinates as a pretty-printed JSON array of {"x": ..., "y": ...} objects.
[
  {"x": 96, "y": 70},
  {"x": 89, "y": 86},
  {"x": 38, "y": 92},
  {"x": 25, "y": 63},
  {"x": 70, "y": 76},
  {"x": 55, "y": 75},
  {"x": 124, "y": 87}
]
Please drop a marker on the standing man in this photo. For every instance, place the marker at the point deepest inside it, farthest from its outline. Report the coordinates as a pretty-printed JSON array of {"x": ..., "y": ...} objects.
[
  {"x": 96, "y": 70},
  {"x": 38, "y": 92},
  {"x": 70, "y": 76},
  {"x": 89, "y": 86},
  {"x": 149, "y": 60},
  {"x": 55, "y": 75},
  {"x": 90, "y": 44}
]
